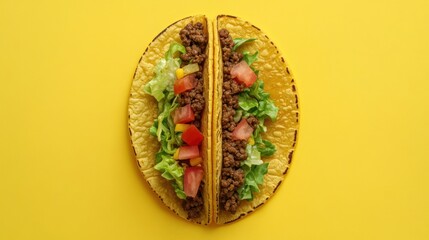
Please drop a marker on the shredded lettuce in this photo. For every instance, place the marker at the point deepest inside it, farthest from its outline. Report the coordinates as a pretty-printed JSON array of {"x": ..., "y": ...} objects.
[
  {"x": 240, "y": 41},
  {"x": 250, "y": 58},
  {"x": 257, "y": 102},
  {"x": 246, "y": 102},
  {"x": 254, "y": 101},
  {"x": 266, "y": 148},
  {"x": 254, "y": 169},
  {"x": 237, "y": 116},
  {"x": 173, "y": 49},
  {"x": 161, "y": 88},
  {"x": 253, "y": 158},
  {"x": 171, "y": 170},
  {"x": 165, "y": 73}
]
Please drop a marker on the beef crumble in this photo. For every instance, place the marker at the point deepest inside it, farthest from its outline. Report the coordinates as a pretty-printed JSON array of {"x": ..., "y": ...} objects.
[
  {"x": 194, "y": 39},
  {"x": 194, "y": 206},
  {"x": 233, "y": 151}
]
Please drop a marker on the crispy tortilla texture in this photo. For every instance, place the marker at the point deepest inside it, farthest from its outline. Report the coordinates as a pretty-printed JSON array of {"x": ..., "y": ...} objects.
[
  {"x": 143, "y": 110},
  {"x": 283, "y": 132}
]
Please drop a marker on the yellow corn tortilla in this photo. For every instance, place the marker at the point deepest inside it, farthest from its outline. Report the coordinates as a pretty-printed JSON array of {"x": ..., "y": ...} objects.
[
  {"x": 142, "y": 111},
  {"x": 278, "y": 81}
]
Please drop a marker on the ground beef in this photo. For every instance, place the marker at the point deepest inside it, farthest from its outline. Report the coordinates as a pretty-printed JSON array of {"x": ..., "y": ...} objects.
[
  {"x": 195, "y": 41},
  {"x": 194, "y": 206},
  {"x": 233, "y": 151},
  {"x": 195, "y": 97},
  {"x": 252, "y": 121}
]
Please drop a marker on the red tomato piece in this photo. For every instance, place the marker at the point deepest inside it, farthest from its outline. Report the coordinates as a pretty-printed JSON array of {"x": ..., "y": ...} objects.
[
  {"x": 186, "y": 83},
  {"x": 242, "y": 73},
  {"x": 242, "y": 131},
  {"x": 192, "y": 180},
  {"x": 183, "y": 114},
  {"x": 188, "y": 152},
  {"x": 192, "y": 136}
]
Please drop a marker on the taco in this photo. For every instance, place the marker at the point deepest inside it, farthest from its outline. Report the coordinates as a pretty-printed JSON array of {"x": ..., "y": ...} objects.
[
  {"x": 255, "y": 118},
  {"x": 213, "y": 124},
  {"x": 169, "y": 110}
]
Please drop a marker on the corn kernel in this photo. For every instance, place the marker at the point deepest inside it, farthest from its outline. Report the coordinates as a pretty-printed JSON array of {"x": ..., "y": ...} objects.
[
  {"x": 251, "y": 141},
  {"x": 180, "y": 73},
  {"x": 180, "y": 127},
  {"x": 176, "y": 154}
]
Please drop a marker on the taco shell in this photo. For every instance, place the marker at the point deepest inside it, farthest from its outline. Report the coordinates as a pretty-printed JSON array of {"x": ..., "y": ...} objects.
[
  {"x": 282, "y": 132},
  {"x": 143, "y": 109}
]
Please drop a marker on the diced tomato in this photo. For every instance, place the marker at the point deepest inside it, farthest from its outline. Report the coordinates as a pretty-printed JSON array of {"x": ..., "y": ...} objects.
[
  {"x": 188, "y": 152},
  {"x": 186, "y": 83},
  {"x": 242, "y": 131},
  {"x": 242, "y": 73},
  {"x": 192, "y": 180},
  {"x": 192, "y": 136},
  {"x": 183, "y": 114}
]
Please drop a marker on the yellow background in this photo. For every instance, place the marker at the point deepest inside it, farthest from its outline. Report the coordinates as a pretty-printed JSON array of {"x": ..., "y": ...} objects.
[{"x": 361, "y": 169}]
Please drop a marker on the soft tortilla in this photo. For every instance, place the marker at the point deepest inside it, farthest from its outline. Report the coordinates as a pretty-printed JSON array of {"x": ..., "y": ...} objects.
[
  {"x": 142, "y": 110},
  {"x": 282, "y": 133}
]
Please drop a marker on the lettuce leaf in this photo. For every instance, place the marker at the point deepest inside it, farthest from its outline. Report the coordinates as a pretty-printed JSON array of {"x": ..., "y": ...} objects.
[
  {"x": 173, "y": 49},
  {"x": 237, "y": 116},
  {"x": 247, "y": 102},
  {"x": 256, "y": 101},
  {"x": 253, "y": 158},
  {"x": 254, "y": 169},
  {"x": 171, "y": 170},
  {"x": 267, "y": 109},
  {"x": 266, "y": 148},
  {"x": 161, "y": 88},
  {"x": 240, "y": 41},
  {"x": 252, "y": 179},
  {"x": 250, "y": 58},
  {"x": 165, "y": 73}
]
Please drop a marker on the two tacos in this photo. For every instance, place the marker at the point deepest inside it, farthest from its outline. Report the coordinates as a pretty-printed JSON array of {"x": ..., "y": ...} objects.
[{"x": 223, "y": 90}]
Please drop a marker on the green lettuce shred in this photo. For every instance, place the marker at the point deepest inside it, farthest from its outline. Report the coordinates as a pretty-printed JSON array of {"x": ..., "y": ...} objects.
[
  {"x": 161, "y": 88},
  {"x": 254, "y": 170},
  {"x": 171, "y": 170},
  {"x": 165, "y": 73},
  {"x": 240, "y": 41},
  {"x": 250, "y": 58},
  {"x": 254, "y": 101},
  {"x": 173, "y": 49}
]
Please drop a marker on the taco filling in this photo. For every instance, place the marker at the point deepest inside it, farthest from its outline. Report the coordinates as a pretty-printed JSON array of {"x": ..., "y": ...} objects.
[
  {"x": 179, "y": 89},
  {"x": 245, "y": 106}
]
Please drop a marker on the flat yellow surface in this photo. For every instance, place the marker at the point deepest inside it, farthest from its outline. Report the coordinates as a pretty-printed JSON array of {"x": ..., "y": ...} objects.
[{"x": 360, "y": 171}]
